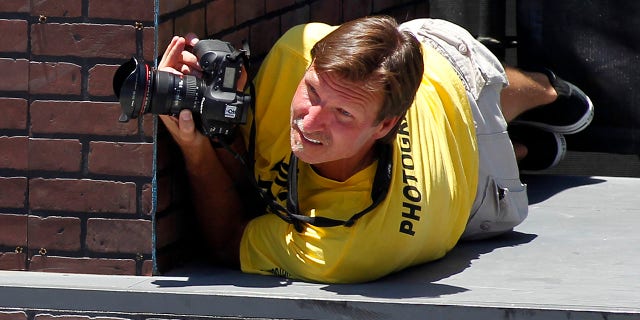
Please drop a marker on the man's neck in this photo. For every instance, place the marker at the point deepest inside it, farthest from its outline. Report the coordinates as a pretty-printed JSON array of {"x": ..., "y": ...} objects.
[{"x": 341, "y": 170}]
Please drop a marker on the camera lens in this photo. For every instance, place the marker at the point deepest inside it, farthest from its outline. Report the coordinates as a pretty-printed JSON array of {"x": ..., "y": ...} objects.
[
  {"x": 131, "y": 84},
  {"x": 142, "y": 90},
  {"x": 172, "y": 93}
]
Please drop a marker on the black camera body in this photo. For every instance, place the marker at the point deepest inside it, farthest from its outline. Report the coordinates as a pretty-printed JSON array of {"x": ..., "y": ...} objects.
[{"x": 142, "y": 89}]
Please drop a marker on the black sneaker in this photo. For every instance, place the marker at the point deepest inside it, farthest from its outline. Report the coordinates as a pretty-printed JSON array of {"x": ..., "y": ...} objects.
[
  {"x": 545, "y": 148},
  {"x": 572, "y": 111}
]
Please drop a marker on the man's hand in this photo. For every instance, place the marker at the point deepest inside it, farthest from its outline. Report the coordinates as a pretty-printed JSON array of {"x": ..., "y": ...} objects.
[
  {"x": 178, "y": 60},
  {"x": 183, "y": 131}
]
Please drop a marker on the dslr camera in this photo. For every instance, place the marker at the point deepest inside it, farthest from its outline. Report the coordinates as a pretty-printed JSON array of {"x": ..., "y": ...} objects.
[{"x": 141, "y": 89}]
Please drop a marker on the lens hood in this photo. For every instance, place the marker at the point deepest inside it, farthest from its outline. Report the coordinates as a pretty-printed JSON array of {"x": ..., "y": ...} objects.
[{"x": 131, "y": 84}]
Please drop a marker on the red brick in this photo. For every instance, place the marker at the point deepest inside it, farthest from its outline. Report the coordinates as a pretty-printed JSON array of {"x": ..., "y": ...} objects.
[
  {"x": 55, "y": 233},
  {"x": 249, "y": 9},
  {"x": 14, "y": 153},
  {"x": 146, "y": 200},
  {"x": 14, "y": 230},
  {"x": 263, "y": 35},
  {"x": 80, "y": 117},
  {"x": 273, "y": 5},
  {"x": 237, "y": 37},
  {"x": 13, "y": 315},
  {"x": 14, "y": 191},
  {"x": 83, "y": 265},
  {"x": 193, "y": 21},
  {"x": 15, "y": 6},
  {"x": 220, "y": 15},
  {"x": 91, "y": 196},
  {"x": 141, "y": 10},
  {"x": 14, "y": 113},
  {"x": 165, "y": 34},
  {"x": 327, "y": 11},
  {"x": 55, "y": 155},
  {"x": 14, "y": 35},
  {"x": 148, "y": 125},
  {"x": 13, "y": 261},
  {"x": 56, "y": 8},
  {"x": 15, "y": 74},
  {"x": 54, "y": 78},
  {"x": 293, "y": 18},
  {"x": 119, "y": 236},
  {"x": 147, "y": 268},
  {"x": 83, "y": 40},
  {"x": 101, "y": 80},
  {"x": 125, "y": 159},
  {"x": 149, "y": 44},
  {"x": 167, "y": 6}
]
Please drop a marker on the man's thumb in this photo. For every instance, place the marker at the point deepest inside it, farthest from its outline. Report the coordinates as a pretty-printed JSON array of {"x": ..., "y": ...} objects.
[{"x": 186, "y": 123}]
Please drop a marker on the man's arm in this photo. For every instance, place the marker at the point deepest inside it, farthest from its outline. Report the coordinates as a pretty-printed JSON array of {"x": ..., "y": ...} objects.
[{"x": 217, "y": 203}]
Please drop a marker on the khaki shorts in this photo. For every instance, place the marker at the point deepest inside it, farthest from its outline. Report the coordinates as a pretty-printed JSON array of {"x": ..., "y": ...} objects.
[{"x": 501, "y": 200}]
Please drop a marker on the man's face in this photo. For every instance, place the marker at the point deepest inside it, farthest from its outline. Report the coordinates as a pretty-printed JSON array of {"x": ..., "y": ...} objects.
[{"x": 333, "y": 122}]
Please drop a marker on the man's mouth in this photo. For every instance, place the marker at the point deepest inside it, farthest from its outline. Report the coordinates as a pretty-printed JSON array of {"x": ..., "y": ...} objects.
[
  {"x": 300, "y": 126},
  {"x": 311, "y": 140}
]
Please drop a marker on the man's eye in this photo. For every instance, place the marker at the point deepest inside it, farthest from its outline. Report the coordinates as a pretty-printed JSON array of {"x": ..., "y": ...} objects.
[
  {"x": 312, "y": 91},
  {"x": 344, "y": 112}
]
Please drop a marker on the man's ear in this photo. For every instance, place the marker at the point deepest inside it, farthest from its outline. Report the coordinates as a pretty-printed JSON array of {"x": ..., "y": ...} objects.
[{"x": 386, "y": 126}]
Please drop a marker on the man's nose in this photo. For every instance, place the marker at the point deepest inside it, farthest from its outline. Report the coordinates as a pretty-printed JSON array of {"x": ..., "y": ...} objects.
[{"x": 316, "y": 119}]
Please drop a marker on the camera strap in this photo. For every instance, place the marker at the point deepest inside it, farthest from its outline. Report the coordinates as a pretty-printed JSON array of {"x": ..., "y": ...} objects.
[
  {"x": 379, "y": 190},
  {"x": 251, "y": 149},
  {"x": 291, "y": 213}
]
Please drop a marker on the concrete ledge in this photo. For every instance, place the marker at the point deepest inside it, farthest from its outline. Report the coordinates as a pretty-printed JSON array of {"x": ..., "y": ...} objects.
[{"x": 576, "y": 257}]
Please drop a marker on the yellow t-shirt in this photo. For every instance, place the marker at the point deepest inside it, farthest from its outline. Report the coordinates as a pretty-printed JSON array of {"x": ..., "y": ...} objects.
[{"x": 434, "y": 177}]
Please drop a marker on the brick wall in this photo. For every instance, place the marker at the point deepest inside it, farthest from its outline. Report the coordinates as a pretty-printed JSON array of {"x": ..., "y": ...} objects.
[{"x": 73, "y": 181}]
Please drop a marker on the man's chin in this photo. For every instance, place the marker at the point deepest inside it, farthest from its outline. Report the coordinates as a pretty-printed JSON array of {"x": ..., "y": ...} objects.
[
  {"x": 296, "y": 146},
  {"x": 303, "y": 156},
  {"x": 299, "y": 153}
]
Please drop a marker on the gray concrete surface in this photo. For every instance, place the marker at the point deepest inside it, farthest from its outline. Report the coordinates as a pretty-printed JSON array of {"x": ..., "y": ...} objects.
[{"x": 577, "y": 256}]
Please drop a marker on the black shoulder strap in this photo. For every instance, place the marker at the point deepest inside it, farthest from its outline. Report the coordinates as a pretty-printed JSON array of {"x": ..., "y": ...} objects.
[
  {"x": 379, "y": 191},
  {"x": 251, "y": 148}
]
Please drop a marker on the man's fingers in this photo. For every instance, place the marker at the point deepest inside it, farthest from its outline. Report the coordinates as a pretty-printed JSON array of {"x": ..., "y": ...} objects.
[
  {"x": 191, "y": 39},
  {"x": 185, "y": 122},
  {"x": 190, "y": 60},
  {"x": 185, "y": 69},
  {"x": 173, "y": 55},
  {"x": 176, "y": 59},
  {"x": 168, "y": 49},
  {"x": 182, "y": 128}
]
